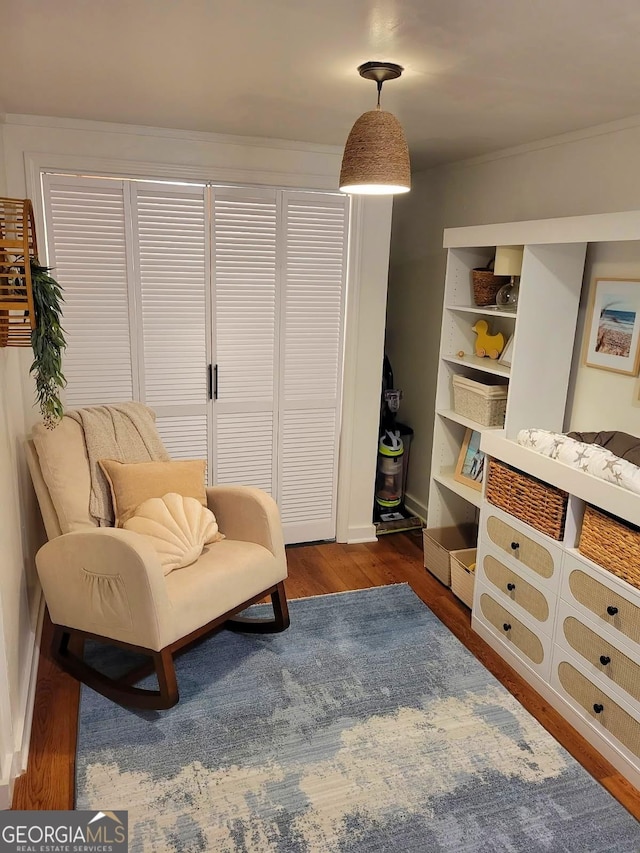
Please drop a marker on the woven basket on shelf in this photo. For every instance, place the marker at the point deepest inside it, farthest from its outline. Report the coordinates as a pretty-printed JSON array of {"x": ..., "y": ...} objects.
[
  {"x": 538, "y": 504},
  {"x": 612, "y": 544},
  {"x": 486, "y": 285}
]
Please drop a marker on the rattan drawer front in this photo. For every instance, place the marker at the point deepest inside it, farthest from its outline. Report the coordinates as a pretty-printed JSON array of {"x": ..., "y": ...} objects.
[
  {"x": 610, "y": 607},
  {"x": 516, "y": 588},
  {"x": 600, "y": 707},
  {"x": 522, "y": 548},
  {"x": 605, "y": 658},
  {"x": 512, "y": 630}
]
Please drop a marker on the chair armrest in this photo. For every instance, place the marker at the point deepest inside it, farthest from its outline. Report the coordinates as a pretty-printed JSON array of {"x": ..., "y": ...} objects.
[
  {"x": 247, "y": 514},
  {"x": 106, "y": 581}
]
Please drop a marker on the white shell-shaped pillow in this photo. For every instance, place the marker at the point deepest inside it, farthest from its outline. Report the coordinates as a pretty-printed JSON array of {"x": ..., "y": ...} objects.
[{"x": 179, "y": 528}]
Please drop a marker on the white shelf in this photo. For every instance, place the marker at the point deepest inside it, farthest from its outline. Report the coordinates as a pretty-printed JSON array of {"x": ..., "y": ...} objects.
[
  {"x": 487, "y": 365},
  {"x": 491, "y": 310},
  {"x": 595, "y": 228},
  {"x": 450, "y": 415},
  {"x": 446, "y": 478}
]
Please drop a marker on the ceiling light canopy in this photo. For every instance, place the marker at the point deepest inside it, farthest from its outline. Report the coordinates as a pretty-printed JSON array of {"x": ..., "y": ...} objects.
[{"x": 376, "y": 156}]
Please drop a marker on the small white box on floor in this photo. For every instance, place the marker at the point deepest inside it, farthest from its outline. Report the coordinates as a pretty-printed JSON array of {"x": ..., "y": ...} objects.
[{"x": 462, "y": 577}]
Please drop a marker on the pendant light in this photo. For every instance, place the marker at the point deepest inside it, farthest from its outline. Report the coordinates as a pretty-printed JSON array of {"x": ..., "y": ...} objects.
[{"x": 376, "y": 156}]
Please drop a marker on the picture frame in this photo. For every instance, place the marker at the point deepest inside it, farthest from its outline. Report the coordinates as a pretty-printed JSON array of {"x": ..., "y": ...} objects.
[
  {"x": 470, "y": 465},
  {"x": 612, "y": 330},
  {"x": 507, "y": 353}
]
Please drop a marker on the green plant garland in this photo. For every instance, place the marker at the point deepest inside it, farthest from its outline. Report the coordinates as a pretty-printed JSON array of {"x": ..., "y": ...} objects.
[{"x": 47, "y": 343}]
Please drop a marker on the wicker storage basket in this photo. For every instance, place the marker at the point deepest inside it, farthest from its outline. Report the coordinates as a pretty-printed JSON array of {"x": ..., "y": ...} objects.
[
  {"x": 536, "y": 503},
  {"x": 439, "y": 541},
  {"x": 485, "y": 404},
  {"x": 612, "y": 544},
  {"x": 462, "y": 579},
  {"x": 485, "y": 285}
]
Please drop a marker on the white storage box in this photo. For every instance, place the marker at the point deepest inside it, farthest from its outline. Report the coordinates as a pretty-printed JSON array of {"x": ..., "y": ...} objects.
[
  {"x": 462, "y": 576},
  {"x": 486, "y": 404},
  {"x": 438, "y": 542}
]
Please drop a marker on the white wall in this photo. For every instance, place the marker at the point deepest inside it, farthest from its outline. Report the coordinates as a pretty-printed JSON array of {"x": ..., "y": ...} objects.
[
  {"x": 594, "y": 171},
  {"x": 19, "y": 597}
]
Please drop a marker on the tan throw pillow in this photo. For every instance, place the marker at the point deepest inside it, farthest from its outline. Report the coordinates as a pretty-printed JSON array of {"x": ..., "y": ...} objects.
[
  {"x": 132, "y": 483},
  {"x": 177, "y": 527}
]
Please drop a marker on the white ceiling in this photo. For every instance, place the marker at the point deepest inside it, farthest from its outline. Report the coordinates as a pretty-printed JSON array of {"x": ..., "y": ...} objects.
[{"x": 480, "y": 75}]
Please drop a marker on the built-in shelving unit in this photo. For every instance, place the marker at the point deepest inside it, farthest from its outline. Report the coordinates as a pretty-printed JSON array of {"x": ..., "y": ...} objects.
[
  {"x": 547, "y": 607},
  {"x": 543, "y": 331}
]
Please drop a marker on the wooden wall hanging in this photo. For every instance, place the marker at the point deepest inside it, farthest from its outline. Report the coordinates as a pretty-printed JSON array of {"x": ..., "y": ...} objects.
[{"x": 17, "y": 247}]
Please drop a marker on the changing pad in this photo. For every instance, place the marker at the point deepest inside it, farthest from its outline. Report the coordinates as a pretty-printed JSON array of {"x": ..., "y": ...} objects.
[{"x": 592, "y": 458}]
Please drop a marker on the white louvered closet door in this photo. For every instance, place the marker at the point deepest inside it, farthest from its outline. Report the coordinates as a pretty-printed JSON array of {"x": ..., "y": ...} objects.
[
  {"x": 133, "y": 262},
  {"x": 171, "y": 264},
  {"x": 311, "y": 345},
  {"x": 245, "y": 332},
  {"x": 278, "y": 309},
  {"x": 148, "y": 269}
]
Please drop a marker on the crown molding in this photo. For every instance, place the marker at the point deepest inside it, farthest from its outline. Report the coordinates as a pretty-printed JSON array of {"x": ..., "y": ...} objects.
[
  {"x": 86, "y": 125},
  {"x": 596, "y": 130}
]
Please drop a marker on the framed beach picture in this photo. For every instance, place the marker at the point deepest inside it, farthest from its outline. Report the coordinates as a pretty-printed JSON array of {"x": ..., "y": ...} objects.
[
  {"x": 612, "y": 332},
  {"x": 470, "y": 467},
  {"x": 507, "y": 353}
]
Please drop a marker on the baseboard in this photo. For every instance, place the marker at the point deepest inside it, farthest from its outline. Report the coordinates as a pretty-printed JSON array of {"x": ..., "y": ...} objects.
[
  {"x": 415, "y": 507},
  {"x": 361, "y": 535},
  {"x": 6, "y": 782},
  {"x": 31, "y": 691},
  {"x": 14, "y": 764}
]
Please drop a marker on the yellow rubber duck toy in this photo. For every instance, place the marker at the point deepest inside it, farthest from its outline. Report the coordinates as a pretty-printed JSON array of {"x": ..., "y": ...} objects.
[{"x": 486, "y": 344}]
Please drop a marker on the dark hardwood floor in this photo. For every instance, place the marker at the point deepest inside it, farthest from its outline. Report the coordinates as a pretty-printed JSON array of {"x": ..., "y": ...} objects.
[{"x": 313, "y": 570}]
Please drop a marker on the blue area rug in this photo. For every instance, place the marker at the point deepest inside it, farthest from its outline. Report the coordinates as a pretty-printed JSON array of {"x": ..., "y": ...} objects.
[{"x": 365, "y": 727}]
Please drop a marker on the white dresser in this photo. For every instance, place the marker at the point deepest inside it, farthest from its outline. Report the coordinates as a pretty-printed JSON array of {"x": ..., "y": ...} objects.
[{"x": 568, "y": 626}]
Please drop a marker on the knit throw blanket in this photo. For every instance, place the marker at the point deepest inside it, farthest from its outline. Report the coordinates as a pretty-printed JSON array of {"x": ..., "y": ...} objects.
[{"x": 125, "y": 432}]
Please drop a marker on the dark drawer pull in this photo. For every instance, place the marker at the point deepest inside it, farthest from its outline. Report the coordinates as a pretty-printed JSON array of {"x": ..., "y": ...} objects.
[
  {"x": 515, "y": 546},
  {"x": 598, "y": 708},
  {"x": 611, "y": 610},
  {"x": 506, "y": 626},
  {"x": 511, "y": 587},
  {"x": 605, "y": 659}
]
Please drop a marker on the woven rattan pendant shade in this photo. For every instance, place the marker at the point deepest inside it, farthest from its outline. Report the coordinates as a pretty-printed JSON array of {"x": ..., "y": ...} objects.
[
  {"x": 376, "y": 156},
  {"x": 17, "y": 247}
]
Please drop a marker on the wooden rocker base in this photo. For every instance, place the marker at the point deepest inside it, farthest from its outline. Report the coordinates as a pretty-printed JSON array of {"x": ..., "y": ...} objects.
[{"x": 68, "y": 643}]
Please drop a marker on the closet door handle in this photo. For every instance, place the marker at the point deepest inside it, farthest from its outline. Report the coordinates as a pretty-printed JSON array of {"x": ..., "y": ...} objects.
[
  {"x": 598, "y": 708},
  {"x": 506, "y": 626},
  {"x": 515, "y": 546},
  {"x": 511, "y": 587},
  {"x": 611, "y": 610},
  {"x": 605, "y": 659}
]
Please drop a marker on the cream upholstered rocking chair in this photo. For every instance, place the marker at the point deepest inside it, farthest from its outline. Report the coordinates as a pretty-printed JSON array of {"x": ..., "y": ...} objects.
[{"x": 108, "y": 584}]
